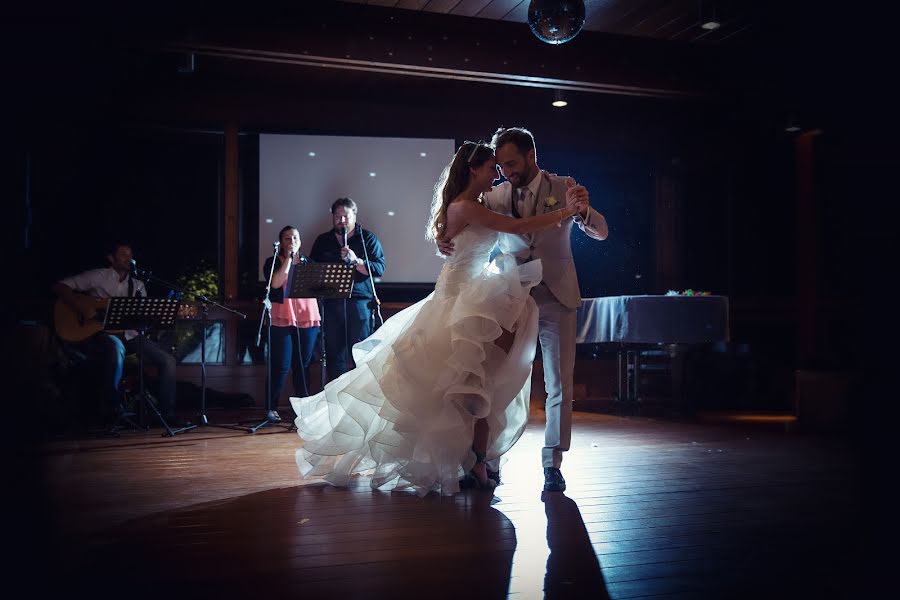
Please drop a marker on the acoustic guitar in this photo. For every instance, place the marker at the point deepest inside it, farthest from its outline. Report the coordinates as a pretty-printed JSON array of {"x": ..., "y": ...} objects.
[{"x": 71, "y": 327}]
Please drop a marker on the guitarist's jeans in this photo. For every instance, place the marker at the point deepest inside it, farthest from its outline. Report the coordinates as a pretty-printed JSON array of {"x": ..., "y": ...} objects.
[{"x": 110, "y": 351}]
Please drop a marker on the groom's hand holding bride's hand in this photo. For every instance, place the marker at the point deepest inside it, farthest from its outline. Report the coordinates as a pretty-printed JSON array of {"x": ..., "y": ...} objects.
[{"x": 577, "y": 197}]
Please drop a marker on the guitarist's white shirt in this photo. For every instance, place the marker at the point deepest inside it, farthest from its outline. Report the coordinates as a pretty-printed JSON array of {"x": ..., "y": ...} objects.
[{"x": 104, "y": 283}]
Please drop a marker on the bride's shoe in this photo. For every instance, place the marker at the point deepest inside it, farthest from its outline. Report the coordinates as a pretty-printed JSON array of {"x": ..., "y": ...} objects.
[{"x": 477, "y": 477}]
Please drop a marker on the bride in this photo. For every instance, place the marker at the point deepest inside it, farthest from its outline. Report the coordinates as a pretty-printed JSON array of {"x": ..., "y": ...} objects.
[{"x": 444, "y": 385}]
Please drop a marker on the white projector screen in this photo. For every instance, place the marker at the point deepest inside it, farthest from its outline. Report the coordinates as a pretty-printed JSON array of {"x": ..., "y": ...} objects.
[{"x": 390, "y": 179}]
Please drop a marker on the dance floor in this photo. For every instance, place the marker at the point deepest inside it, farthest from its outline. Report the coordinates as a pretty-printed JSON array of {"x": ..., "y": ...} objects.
[{"x": 654, "y": 508}]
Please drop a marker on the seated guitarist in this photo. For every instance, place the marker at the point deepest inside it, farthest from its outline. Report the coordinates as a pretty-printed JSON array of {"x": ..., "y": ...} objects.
[{"x": 110, "y": 349}]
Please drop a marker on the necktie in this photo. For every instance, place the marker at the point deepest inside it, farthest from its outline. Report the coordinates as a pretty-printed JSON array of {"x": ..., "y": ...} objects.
[{"x": 518, "y": 205}]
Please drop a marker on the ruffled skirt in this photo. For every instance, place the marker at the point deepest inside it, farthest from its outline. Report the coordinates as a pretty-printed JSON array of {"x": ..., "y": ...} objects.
[{"x": 405, "y": 415}]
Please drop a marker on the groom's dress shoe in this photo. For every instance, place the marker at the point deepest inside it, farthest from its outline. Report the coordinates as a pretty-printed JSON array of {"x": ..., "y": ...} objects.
[{"x": 553, "y": 480}]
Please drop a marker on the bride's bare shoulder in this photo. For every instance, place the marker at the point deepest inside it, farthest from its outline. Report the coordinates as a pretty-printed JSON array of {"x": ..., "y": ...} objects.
[
  {"x": 460, "y": 206},
  {"x": 456, "y": 220}
]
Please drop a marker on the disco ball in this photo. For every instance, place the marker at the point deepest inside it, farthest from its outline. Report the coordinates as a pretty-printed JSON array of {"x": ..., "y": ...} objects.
[{"x": 556, "y": 21}]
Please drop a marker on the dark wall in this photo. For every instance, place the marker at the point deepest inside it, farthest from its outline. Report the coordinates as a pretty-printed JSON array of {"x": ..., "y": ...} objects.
[
  {"x": 89, "y": 187},
  {"x": 114, "y": 134}
]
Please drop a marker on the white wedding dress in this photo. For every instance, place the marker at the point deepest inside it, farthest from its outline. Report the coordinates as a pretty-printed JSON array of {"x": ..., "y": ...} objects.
[{"x": 405, "y": 414}]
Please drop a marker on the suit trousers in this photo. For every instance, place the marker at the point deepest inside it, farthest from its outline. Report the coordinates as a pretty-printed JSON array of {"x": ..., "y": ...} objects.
[{"x": 557, "y": 326}]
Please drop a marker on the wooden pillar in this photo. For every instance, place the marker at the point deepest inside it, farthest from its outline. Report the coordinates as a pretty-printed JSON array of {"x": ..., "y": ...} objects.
[
  {"x": 807, "y": 250},
  {"x": 668, "y": 229},
  {"x": 230, "y": 237}
]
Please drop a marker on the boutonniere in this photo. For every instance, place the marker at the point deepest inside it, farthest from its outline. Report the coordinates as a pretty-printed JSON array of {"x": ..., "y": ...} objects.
[{"x": 550, "y": 202}]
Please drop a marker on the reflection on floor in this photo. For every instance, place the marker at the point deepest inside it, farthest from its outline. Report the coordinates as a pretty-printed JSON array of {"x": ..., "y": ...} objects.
[{"x": 654, "y": 508}]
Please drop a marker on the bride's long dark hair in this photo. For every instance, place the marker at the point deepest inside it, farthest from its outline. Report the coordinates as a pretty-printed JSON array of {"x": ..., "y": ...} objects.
[{"x": 453, "y": 180}]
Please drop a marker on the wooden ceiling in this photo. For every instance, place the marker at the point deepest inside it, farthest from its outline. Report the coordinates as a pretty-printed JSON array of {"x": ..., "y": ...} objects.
[
  {"x": 680, "y": 20},
  {"x": 359, "y": 63}
]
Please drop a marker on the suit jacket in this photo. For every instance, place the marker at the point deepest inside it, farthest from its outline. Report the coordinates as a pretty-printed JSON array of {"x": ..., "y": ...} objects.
[{"x": 552, "y": 246}]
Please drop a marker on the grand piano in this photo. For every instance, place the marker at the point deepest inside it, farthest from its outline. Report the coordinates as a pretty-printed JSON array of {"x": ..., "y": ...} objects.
[{"x": 634, "y": 324}]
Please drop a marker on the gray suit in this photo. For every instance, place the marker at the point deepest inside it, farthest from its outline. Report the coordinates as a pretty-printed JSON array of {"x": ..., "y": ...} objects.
[{"x": 557, "y": 297}]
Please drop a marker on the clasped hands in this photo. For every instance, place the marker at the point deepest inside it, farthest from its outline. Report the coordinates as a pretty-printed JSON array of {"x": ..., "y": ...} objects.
[{"x": 577, "y": 197}]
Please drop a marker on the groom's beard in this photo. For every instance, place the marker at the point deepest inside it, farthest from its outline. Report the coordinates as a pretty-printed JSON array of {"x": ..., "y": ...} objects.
[{"x": 525, "y": 178}]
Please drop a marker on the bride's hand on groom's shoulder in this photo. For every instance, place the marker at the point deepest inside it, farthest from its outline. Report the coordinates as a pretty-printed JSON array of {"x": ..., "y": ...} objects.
[{"x": 445, "y": 246}]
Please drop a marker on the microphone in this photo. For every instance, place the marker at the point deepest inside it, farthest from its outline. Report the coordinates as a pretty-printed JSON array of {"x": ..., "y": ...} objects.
[
  {"x": 140, "y": 274},
  {"x": 344, "y": 234}
]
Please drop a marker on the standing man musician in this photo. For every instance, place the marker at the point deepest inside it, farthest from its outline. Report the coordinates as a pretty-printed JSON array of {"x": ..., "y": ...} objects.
[{"x": 348, "y": 321}]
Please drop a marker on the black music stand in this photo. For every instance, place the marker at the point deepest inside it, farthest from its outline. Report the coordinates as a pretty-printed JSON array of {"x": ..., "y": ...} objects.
[
  {"x": 324, "y": 281},
  {"x": 148, "y": 277},
  {"x": 141, "y": 314},
  {"x": 314, "y": 280},
  {"x": 204, "y": 313}
]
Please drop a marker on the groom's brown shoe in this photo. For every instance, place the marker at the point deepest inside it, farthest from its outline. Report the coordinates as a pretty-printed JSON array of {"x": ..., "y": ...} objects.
[{"x": 553, "y": 480}]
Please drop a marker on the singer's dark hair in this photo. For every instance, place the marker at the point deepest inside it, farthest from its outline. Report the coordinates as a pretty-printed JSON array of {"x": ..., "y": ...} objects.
[
  {"x": 288, "y": 228},
  {"x": 113, "y": 246},
  {"x": 345, "y": 202}
]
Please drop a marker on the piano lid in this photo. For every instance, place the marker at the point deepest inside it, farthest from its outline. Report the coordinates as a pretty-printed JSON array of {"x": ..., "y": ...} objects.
[{"x": 653, "y": 320}]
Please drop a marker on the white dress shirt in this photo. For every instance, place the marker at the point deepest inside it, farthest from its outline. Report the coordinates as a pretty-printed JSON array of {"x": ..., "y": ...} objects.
[{"x": 105, "y": 283}]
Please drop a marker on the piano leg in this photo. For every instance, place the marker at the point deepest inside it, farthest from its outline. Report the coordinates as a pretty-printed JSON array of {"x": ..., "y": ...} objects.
[
  {"x": 627, "y": 378},
  {"x": 677, "y": 369},
  {"x": 634, "y": 376},
  {"x": 619, "y": 354}
]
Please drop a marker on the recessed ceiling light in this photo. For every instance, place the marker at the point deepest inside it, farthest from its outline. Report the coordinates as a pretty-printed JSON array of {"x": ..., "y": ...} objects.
[
  {"x": 390, "y": 213},
  {"x": 312, "y": 153},
  {"x": 372, "y": 174},
  {"x": 710, "y": 25},
  {"x": 268, "y": 220},
  {"x": 792, "y": 125},
  {"x": 559, "y": 99},
  {"x": 422, "y": 154}
]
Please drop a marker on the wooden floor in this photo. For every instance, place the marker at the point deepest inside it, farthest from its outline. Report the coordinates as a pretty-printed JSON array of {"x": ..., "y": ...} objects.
[{"x": 654, "y": 508}]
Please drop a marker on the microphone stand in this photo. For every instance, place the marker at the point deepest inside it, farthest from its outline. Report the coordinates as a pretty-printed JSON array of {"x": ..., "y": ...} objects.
[
  {"x": 147, "y": 277},
  {"x": 346, "y": 345},
  {"x": 323, "y": 357},
  {"x": 371, "y": 278},
  {"x": 266, "y": 317}
]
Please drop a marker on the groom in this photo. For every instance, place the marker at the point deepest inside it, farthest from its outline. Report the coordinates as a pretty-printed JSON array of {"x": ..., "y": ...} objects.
[{"x": 530, "y": 191}]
